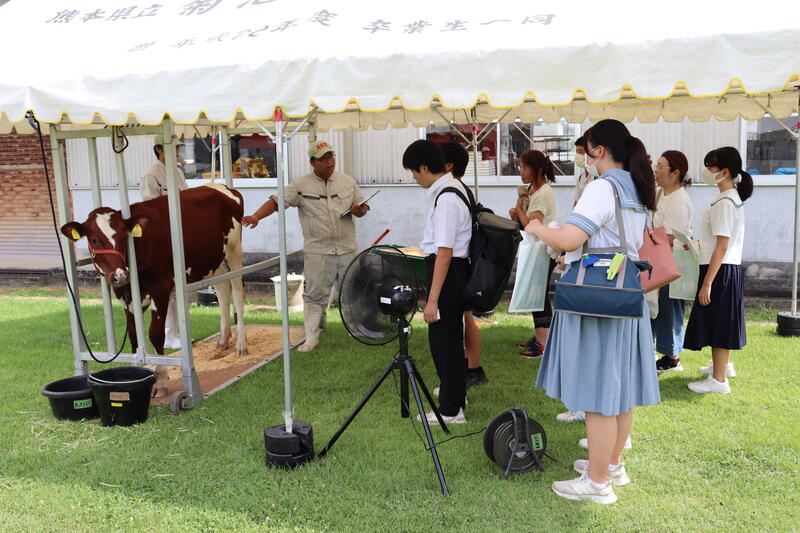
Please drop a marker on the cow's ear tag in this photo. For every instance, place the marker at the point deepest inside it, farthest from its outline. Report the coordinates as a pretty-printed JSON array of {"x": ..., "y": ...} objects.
[
  {"x": 136, "y": 231},
  {"x": 75, "y": 235}
]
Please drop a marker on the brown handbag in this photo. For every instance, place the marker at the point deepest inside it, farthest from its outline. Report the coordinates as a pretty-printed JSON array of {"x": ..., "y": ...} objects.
[{"x": 657, "y": 250}]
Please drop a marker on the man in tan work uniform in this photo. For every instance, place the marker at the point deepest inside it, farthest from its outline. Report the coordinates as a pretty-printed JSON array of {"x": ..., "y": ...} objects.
[
  {"x": 152, "y": 185},
  {"x": 327, "y": 201},
  {"x": 154, "y": 182}
]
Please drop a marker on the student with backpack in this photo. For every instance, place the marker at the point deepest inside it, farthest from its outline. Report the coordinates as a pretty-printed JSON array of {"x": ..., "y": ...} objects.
[
  {"x": 455, "y": 162},
  {"x": 446, "y": 239}
]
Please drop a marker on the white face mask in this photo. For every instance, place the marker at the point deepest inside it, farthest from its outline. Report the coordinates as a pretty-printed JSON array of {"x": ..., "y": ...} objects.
[
  {"x": 710, "y": 178},
  {"x": 580, "y": 160},
  {"x": 591, "y": 170}
]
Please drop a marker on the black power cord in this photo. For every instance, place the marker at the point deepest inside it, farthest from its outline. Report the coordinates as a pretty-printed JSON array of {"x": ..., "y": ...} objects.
[{"x": 37, "y": 127}]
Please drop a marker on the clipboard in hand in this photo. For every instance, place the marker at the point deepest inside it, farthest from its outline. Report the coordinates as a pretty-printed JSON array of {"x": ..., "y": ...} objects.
[{"x": 370, "y": 197}]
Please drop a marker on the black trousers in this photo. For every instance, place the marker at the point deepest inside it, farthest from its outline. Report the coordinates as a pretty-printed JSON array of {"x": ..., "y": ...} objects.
[
  {"x": 446, "y": 336},
  {"x": 541, "y": 319}
]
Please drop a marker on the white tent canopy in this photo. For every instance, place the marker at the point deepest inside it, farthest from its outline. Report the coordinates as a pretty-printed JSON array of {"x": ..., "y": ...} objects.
[{"x": 377, "y": 64}]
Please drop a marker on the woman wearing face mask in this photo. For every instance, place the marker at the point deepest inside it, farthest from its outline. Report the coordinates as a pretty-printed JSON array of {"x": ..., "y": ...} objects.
[
  {"x": 673, "y": 212},
  {"x": 536, "y": 202},
  {"x": 583, "y": 177},
  {"x": 717, "y": 318},
  {"x": 603, "y": 366}
]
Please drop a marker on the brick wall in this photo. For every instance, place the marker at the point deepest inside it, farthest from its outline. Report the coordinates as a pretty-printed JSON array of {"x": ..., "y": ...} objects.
[{"x": 25, "y": 220}]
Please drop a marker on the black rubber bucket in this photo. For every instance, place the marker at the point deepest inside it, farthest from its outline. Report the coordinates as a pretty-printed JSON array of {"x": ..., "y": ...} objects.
[
  {"x": 71, "y": 398},
  {"x": 122, "y": 394}
]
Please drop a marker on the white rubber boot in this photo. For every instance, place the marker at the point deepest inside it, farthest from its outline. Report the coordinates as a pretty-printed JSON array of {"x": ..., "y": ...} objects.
[
  {"x": 171, "y": 339},
  {"x": 312, "y": 317}
]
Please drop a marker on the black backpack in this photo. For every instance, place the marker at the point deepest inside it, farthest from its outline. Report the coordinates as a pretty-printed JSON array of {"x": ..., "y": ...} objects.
[{"x": 492, "y": 252}]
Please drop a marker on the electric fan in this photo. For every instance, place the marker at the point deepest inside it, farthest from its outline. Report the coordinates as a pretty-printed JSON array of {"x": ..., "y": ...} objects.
[
  {"x": 377, "y": 294},
  {"x": 377, "y": 298}
]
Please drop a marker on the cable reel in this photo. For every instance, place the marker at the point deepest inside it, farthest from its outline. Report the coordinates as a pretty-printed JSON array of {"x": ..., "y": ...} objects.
[{"x": 515, "y": 442}]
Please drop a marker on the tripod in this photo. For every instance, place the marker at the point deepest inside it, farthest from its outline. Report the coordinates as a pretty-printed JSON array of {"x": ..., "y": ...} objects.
[{"x": 408, "y": 374}]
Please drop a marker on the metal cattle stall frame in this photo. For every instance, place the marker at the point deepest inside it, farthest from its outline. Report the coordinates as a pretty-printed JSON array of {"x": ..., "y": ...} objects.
[{"x": 192, "y": 394}]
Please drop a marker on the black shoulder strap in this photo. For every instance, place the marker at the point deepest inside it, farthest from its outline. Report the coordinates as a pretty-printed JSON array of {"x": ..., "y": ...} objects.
[
  {"x": 469, "y": 203},
  {"x": 470, "y": 195}
]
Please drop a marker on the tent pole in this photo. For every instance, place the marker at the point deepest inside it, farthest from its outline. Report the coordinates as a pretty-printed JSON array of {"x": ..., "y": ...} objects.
[
  {"x": 225, "y": 156},
  {"x": 191, "y": 383},
  {"x": 97, "y": 197},
  {"x": 795, "y": 243},
  {"x": 65, "y": 215},
  {"x": 280, "y": 163},
  {"x": 474, "y": 143},
  {"x": 133, "y": 269},
  {"x": 213, "y": 154}
]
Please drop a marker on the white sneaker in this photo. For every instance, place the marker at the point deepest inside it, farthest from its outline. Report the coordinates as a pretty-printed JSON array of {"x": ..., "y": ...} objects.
[
  {"x": 583, "y": 488},
  {"x": 457, "y": 419},
  {"x": 584, "y": 443},
  {"x": 616, "y": 476},
  {"x": 571, "y": 416},
  {"x": 710, "y": 385},
  {"x": 436, "y": 395},
  {"x": 708, "y": 370}
]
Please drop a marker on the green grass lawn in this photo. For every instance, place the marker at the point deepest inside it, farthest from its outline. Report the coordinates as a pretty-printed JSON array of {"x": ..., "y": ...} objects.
[{"x": 698, "y": 463}]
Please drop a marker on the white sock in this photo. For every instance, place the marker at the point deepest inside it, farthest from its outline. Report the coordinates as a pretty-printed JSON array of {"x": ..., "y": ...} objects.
[{"x": 613, "y": 467}]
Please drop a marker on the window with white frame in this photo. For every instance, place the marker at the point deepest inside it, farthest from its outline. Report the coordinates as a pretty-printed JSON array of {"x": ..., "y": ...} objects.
[{"x": 557, "y": 141}]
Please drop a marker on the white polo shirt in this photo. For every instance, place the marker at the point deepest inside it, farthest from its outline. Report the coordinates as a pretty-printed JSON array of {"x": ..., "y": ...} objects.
[
  {"x": 725, "y": 218},
  {"x": 449, "y": 225},
  {"x": 595, "y": 214},
  {"x": 674, "y": 212}
]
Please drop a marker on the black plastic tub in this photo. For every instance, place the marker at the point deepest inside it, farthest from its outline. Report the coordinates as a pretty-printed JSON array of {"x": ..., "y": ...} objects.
[
  {"x": 71, "y": 398},
  {"x": 122, "y": 394}
]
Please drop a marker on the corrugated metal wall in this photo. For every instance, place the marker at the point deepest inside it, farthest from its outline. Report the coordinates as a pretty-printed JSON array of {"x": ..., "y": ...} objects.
[
  {"x": 138, "y": 158},
  {"x": 694, "y": 139},
  {"x": 378, "y": 154}
]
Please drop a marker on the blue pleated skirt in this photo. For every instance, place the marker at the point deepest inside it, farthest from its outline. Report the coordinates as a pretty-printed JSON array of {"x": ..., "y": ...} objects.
[{"x": 600, "y": 365}]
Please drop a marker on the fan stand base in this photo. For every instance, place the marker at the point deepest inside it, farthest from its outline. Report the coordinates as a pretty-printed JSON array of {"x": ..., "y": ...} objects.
[{"x": 408, "y": 374}]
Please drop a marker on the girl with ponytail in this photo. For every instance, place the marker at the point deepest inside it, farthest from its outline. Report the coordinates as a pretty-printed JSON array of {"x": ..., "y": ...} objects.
[
  {"x": 717, "y": 318},
  {"x": 536, "y": 201},
  {"x": 602, "y": 366}
]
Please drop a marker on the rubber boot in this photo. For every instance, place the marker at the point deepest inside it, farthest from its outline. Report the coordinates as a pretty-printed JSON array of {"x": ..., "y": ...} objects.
[
  {"x": 171, "y": 339},
  {"x": 312, "y": 316}
]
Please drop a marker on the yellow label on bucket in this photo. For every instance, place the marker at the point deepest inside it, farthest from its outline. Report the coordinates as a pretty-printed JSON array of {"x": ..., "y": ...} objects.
[{"x": 116, "y": 404}]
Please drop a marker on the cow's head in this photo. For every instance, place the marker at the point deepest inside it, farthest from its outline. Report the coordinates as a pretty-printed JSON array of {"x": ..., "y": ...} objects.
[{"x": 107, "y": 233}]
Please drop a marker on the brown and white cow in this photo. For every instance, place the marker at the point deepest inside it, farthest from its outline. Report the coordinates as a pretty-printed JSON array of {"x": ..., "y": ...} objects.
[{"x": 212, "y": 240}]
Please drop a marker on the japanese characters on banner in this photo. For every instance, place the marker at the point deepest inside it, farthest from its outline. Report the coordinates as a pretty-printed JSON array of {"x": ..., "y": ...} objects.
[{"x": 250, "y": 9}]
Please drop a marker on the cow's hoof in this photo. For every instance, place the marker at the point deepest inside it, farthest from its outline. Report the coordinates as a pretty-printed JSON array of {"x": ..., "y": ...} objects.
[
  {"x": 241, "y": 352},
  {"x": 219, "y": 354},
  {"x": 308, "y": 346},
  {"x": 220, "y": 347}
]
